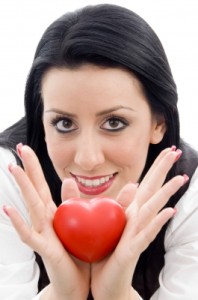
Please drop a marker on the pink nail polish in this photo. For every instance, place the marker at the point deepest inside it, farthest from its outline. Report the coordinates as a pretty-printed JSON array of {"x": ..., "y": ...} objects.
[
  {"x": 174, "y": 211},
  {"x": 5, "y": 210},
  {"x": 179, "y": 153},
  {"x": 186, "y": 178},
  {"x": 18, "y": 148},
  {"x": 135, "y": 183},
  {"x": 10, "y": 167},
  {"x": 173, "y": 148}
]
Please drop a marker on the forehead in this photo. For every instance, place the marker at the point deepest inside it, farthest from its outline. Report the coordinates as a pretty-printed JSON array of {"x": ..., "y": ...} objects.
[
  {"x": 91, "y": 76},
  {"x": 92, "y": 87},
  {"x": 91, "y": 90}
]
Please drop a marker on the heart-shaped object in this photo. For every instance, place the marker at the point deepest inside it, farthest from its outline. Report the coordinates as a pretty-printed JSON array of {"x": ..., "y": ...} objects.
[{"x": 89, "y": 229}]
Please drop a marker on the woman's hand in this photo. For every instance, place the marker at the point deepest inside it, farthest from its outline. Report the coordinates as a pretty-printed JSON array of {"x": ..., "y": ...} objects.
[
  {"x": 111, "y": 278},
  {"x": 70, "y": 278}
]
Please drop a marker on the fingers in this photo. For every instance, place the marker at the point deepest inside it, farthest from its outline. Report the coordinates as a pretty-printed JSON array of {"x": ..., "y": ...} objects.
[
  {"x": 36, "y": 207},
  {"x": 38, "y": 241},
  {"x": 152, "y": 207},
  {"x": 19, "y": 224},
  {"x": 126, "y": 195},
  {"x": 34, "y": 172},
  {"x": 156, "y": 162},
  {"x": 149, "y": 233},
  {"x": 158, "y": 201},
  {"x": 145, "y": 214},
  {"x": 25, "y": 232},
  {"x": 69, "y": 189},
  {"x": 155, "y": 177}
]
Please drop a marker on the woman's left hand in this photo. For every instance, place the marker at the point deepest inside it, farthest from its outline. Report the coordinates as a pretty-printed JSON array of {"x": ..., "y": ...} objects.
[{"x": 111, "y": 278}]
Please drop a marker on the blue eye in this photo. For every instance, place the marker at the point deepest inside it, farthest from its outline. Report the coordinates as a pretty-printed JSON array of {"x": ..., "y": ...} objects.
[
  {"x": 114, "y": 124},
  {"x": 63, "y": 125}
]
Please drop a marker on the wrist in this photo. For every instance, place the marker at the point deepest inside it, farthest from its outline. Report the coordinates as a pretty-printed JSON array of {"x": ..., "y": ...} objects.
[
  {"x": 49, "y": 293},
  {"x": 130, "y": 295}
]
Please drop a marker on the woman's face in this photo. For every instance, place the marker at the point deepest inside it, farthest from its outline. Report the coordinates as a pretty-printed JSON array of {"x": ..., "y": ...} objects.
[{"x": 98, "y": 127}]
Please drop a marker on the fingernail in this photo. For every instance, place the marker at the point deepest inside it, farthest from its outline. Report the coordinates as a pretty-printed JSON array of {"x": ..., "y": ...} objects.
[
  {"x": 174, "y": 211},
  {"x": 173, "y": 148},
  {"x": 135, "y": 183},
  {"x": 179, "y": 153},
  {"x": 5, "y": 210},
  {"x": 186, "y": 178},
  {"x": 18, "y": 148},
  {"x": 10, "y": 166}
]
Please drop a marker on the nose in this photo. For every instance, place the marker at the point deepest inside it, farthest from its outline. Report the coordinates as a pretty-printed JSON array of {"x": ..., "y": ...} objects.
[{"x": 89, "y": 154}]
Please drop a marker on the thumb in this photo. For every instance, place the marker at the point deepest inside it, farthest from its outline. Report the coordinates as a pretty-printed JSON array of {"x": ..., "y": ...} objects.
[
  {"x": 127, "y": 194},
  {"x": 69, "y": 189}
]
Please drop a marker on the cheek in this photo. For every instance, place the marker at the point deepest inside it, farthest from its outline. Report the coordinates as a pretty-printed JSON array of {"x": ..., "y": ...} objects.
[
  {"x": 58, "y": 150},
  {"x": 60, "y": 157},
  {"x": 132, "y": 158},
  {"x": 131, "y": 155}
]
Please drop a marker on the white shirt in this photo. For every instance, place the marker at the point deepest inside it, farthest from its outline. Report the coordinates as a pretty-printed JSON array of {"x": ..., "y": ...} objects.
[{"x": 19, "y": 273}]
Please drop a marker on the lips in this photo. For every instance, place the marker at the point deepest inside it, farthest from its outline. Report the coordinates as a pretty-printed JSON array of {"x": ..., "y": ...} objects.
[{"x": 94, "y": 185}]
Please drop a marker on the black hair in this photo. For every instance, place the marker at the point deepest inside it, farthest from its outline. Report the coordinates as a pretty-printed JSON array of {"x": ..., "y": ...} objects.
[{"x": 108, "y": 36}]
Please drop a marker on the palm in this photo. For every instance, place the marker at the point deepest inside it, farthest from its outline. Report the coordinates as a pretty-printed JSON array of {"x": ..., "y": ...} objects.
[
  {"x": 63, "y": 270},
  {"x": 111, "y": 278}
]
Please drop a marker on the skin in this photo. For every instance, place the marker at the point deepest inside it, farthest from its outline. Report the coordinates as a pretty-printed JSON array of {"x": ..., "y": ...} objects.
[
  {"x": 106, "y": 88},
  {"x": 88, "y": 146}
]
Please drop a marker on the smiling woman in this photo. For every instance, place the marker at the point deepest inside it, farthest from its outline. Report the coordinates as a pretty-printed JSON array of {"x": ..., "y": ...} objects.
[
  {"x": 101, "y": 119},
  {"x": 80, "y": 141}
]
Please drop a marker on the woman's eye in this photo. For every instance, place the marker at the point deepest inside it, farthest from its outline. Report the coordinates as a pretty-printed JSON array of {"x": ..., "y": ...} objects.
[
  {"x": 114, "y": 124},
  {"x": 64, "y": 125}
]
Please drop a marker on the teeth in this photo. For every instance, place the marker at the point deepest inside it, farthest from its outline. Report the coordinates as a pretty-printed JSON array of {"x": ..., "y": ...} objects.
[{"x": 94, "y": 182}]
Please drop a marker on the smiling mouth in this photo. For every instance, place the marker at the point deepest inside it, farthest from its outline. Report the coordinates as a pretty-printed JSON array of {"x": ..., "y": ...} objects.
[
  {"x": 95, "y": 185},
  {"x": 93, "y": 182}
]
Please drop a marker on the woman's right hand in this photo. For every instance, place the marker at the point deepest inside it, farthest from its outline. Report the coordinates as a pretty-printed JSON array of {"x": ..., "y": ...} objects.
[{"x": 69, "y": 277}]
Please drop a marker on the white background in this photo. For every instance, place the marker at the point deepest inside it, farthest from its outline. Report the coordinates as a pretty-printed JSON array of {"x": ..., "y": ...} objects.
[{"x": 22, "y": 23}]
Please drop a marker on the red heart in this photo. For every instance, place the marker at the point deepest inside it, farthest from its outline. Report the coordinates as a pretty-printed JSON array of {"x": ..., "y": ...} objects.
[{"x": 89, "y": 229}]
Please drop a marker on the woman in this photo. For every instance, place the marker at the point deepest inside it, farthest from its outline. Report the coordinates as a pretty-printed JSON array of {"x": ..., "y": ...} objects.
[{"x": 101, "y": 116}]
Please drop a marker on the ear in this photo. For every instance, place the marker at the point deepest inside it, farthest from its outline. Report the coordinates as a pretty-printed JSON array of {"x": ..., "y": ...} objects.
[{"x": 159, "y": 129}]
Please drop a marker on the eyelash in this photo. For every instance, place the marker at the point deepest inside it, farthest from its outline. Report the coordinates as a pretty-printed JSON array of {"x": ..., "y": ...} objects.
[
  {"x": 58, "y": 119},
  {"x": 116, "y": 118},
  {"x": 109, "y": 118}
]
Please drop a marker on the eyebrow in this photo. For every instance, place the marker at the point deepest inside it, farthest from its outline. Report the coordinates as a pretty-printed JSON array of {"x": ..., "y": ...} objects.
[
  {"x": 110, "y": 110},
  {"x": 103, "y": 112},
  {"x": 60, "y": 112}
]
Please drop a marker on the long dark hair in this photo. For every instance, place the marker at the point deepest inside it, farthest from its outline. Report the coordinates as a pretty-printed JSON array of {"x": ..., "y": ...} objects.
[{"x": 109, "y": 36}]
